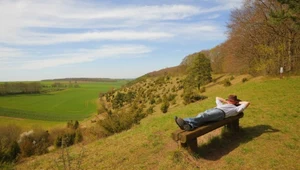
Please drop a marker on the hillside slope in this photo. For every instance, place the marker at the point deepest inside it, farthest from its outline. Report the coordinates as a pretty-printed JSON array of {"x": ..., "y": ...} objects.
[{"x": 269, "y": 138}]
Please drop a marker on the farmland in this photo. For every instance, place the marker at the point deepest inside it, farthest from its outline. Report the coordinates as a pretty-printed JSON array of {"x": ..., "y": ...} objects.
[{"x": 59, "y": 106}]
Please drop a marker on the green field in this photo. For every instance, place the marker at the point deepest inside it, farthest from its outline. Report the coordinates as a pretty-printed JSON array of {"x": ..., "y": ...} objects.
[
  {"x": 69, "y": 104},
  {"x": 269, "y": 136}
]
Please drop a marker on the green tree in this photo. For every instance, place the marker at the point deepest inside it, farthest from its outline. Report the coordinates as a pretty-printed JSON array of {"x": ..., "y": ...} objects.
[
  {"x": 199, "y": 72},
  {"x": 287, "y": 17}
]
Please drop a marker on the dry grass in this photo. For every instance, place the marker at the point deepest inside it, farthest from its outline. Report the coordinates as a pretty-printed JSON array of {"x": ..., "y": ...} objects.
[{"x": 269, "y": 138}]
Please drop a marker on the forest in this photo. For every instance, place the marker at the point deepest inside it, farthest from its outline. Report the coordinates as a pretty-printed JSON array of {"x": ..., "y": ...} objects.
[{"x": 263, "y": 35}]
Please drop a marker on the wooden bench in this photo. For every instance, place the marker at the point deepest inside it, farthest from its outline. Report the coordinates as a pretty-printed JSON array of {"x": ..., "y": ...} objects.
[{"x": 189, "y": 138}]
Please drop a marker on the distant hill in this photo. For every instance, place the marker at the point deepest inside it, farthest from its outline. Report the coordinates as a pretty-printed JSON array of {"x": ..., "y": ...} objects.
[{"x": 86, "y": 79}]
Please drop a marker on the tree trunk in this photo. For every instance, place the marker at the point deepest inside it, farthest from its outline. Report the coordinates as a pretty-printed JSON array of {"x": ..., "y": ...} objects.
[{"x": 291, "y": 40}]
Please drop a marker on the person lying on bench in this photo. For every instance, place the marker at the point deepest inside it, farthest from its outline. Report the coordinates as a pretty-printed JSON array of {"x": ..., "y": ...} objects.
[{"x": 224, "y": 109}]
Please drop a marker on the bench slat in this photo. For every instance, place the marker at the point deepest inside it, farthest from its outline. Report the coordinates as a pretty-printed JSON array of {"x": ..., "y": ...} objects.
[{"x": 185, "y": 136}]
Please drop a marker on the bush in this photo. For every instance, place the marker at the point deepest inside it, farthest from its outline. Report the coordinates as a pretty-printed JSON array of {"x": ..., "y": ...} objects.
[
  {"x": 171, "y": 97},
  {"x": 78, "y": 136},
  {"x": 34, "y": 142},
  {"x": 121, "y": 120},
  {"x": 152, "y": 101},
  {"x": 9, "y": 153},
  {"x": 73, "y": 125},
  {"x": 165, "y": 106},
  {"x": 202, "y": 89},
  {"x": 244, "y": 80},
  {"x": 190, "y": 97},
  {"x": 118, "y": 101},
  {"x": 9, "y": 148},
  {"x": 117, "y": 123},
  {"x": 64, "y": 137},
  {"x": 67, "y": 136},
  {"x": 26, "y": 146},
  {"x": 226, "y": 83},
  {"x": 150, "y": 110},
  {"x": 101, "y": 108}
]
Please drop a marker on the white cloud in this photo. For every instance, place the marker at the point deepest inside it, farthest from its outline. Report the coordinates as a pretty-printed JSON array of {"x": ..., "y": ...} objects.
[
  {"x": 30, "y": 29},
  {"x": 202, "y": 31},
  {"x": 46, "y": 38},
  {"x": 230, "y": 4},
  {"x": 19, "y": 17},
  {"x": 8, "y": 53},
  {"x": 163, "y": 12},
  {"x": 86, "y": 55},
  {"x": 214, "y": 16}
]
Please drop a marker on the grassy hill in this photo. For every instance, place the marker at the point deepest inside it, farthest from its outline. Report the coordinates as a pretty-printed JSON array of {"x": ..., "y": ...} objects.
[{"x": 269, "y": 138}]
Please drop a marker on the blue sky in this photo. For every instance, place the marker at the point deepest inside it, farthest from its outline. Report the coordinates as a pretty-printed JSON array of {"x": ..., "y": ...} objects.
[{"x": 107, "y": 39}]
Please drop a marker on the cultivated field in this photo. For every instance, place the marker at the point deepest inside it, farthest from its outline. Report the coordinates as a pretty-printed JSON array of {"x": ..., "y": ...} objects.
[{"x": 56, "y": 107}]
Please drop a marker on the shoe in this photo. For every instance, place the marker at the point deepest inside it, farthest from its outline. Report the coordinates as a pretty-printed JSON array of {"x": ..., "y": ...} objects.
[
  {"x": 180, "y": 122},
  {"x": 187, "y": 127}
]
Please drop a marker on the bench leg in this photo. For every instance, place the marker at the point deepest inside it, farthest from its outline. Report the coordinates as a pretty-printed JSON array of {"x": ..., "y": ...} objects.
[
  {"x": 233, "y": 126},
  {"x": 192, "y": 145}
]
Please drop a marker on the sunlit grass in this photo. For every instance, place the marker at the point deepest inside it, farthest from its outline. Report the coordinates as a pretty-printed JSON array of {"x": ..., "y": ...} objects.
[
  {"x": 269, "y": 136},
  {"x": 69, "y": 104}
]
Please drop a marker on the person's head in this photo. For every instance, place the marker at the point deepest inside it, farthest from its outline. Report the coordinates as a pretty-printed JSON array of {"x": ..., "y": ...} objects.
[{"x": 232, "y": 99}]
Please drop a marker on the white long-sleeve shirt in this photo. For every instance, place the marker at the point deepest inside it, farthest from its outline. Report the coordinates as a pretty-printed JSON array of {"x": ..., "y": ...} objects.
[{"x": 230, "y": 109}]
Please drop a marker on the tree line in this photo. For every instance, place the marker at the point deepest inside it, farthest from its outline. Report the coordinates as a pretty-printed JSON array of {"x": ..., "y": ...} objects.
[
  {"x": 20, "y": 88},
  {"x": 86, "y": 79},
  {"x": 263, "y": 35},
  {"x": 12, "y": 88}
]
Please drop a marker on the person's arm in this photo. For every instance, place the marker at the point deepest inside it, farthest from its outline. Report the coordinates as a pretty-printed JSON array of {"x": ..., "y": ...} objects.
[
  {"x": 221, "y": 99},
  {"x": 243, "y": 105}
]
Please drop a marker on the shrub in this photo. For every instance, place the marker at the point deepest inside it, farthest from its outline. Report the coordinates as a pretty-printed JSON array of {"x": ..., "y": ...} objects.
[
  {"x": 78, "y": 136},
  {"x": 101, "y": 108},
  {"x": 117, "y": 122},
  {"x": 9, "y": 153},
  {"x": 34, "y": 142},
  {"x": 118, "y": 101},
  {"x": 65, "y": 137},
  {"x": 165, "y": 106},
  {"x": 190, "y": 97},
  {"x": 244, "y": 80},
  {"x": 226, "y": 83},
  {"x": 121, "y": 120},
  {"x": 9, "y": 148},
  {"x": 152, "y": 101},
  {"x": 26, "y": 146},
  {"x": 150, "y": 110},
  {"x": 171, "y": 97},
  {"x": 73, "y": 125},
  {"x": 196, "y": 97},
  {"x": 202, "y": 89}
]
